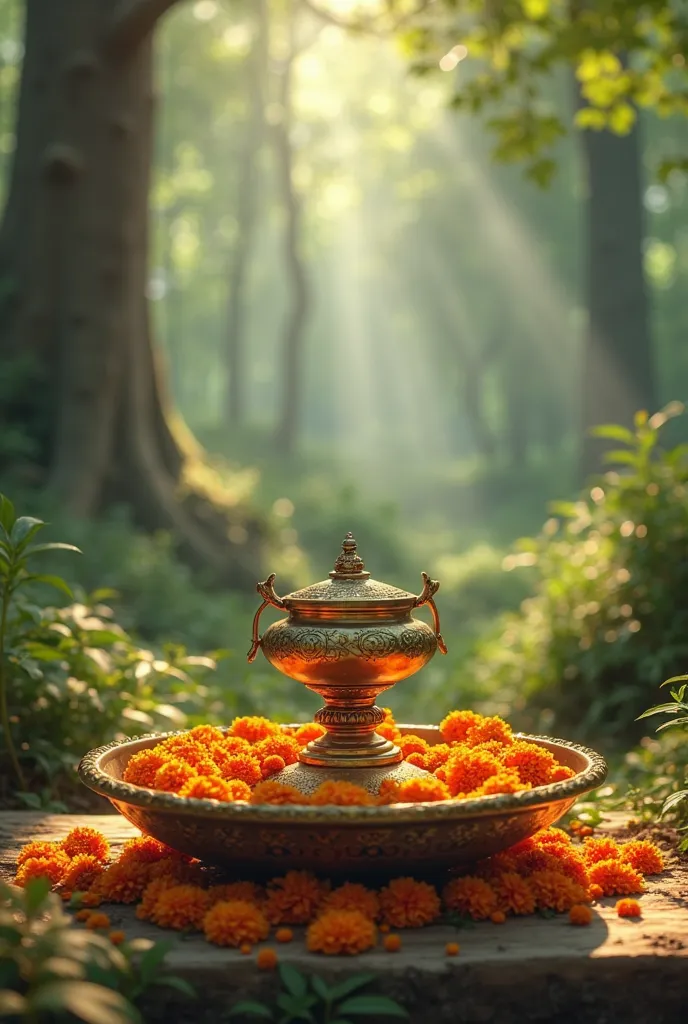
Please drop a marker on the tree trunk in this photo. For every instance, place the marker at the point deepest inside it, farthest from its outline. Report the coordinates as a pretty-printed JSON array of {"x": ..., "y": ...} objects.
[
  {"x": 618, "y": 370},
  {"x": 74, "y": 245}
]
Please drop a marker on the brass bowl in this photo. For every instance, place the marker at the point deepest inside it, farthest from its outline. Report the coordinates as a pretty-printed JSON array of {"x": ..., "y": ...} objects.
[{"x": 404, "y": 838}]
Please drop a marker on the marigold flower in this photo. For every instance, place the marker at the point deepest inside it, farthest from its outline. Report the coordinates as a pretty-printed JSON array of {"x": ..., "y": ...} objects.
[
  {"x": 467, "y": 769},
  {"x": 172, "y": 776},
  {"x": 533, "y": 764},
  {"x": 417, "y": 760},
  {"x": 492, "y": 729},
  {"x": 388, "y": 731},
  {"x": 180, "y": 907},
  {"x": 560, "y": 773},
  {"x": 595, "y": 891},
  {"x": 122, "y": 883},
  {"x": 97, "y": 921},
  {"x": 392, "y": 943},
  {"x": 452, "y": 949},
  {"x": 554, "y": 890},
  {"x": 616, "y": 878},
  {"x": 422, "y": 790},
  {"x": 579, "y": 914},
  {"x": 294, "y": 898},
  {"x": 565, "y": 861},
  {"x": 253, "y": 728},
  {"x": 604, "y": 848},
  {"x": 388, "y": 713},
  {"x": 150, "y": 896},
  {"x": 53, "y": 868},
  {"x": 269, "y": 792},
  {"x": 407, "y": 903},
  {"x": 146, "y": 850},
  {"x": 83, "y": 915},
  {"x": 628, "y": 908},
  {"x": 388, "y": 793},
  {"x": 234, "y": 923},
  {"x": 552, "y": 837},
  {"x": 353, "y": 896},
  {"x": 244, "y": 767},
  {"x": 498, "y": 917},
  {"x": 206, "y": 735},
  {"x": 514, "y": 895},
  {"x": 471, "y": 896},
  {"x": 181, "y": 746},
  {"x": 202, "y": 788},
  {"x": 86, "y": 840},
  {"x": 506, "y": 781},
  {"x": 283, "y": 746},
  {"x": 455, "y": 726},
  {"x": 309, "y": 732},
  {"x": 284, "y": 935},
  {"x": 141, "y": 768},
  {"x": 90, "y": 899},
  {"x": 342, "y": 794},
  {"x": 341, "y": 931},
  {"x": 411, "y": 744},
  {"x": 82, "y": 872},
  {"x": 231, "y": 745},
  {"x": 174, "y": 868},
  {"x": 271, "y": 765},
  {"x": 642, "y": 855},
  {"x": 586, "y": 830},
  {"x": 38, "y": 848},
  {"x": 246, "y": 948},
  {"x": 117, "y": 937},
  {"x": 247, "y": 892},
  {"x": 267, "y": 959},
  {"x": 433, "y": 759}
]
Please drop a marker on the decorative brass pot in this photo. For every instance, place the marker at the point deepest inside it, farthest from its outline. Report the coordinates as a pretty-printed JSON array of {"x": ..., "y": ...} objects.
[{"x": 349, "y": 638}]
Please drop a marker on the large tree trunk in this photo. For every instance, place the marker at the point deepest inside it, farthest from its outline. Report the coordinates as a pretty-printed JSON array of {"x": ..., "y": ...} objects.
[
  {"x": 74, "y": 244},
  {"x": 618, "y": 370}
]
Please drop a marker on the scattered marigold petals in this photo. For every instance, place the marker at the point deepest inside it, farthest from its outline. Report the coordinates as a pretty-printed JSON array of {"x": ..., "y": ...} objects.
[
  {"x": 267, "y": 959},
  {"x": 246, "y": 948},
  {"x": 284, "y": 935},
  {"x": 498, "y": 917},
  {"x": 341, "y": 932},
  {"x": 595, "y": 891},
  {"x": 452, "y": 949},
  {"x": 82, "y": 915},
  {"x": 97, "y": 921},
  {"x": 628, "y": 908},
  {"x": 117, "y": 937},
  {"x": 580, "y": 914},
  {"x": 392, "y": 943},
  {"x": 235, "y": 923}
]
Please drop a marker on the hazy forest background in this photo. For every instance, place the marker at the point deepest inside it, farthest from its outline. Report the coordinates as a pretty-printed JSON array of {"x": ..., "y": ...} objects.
[{"x": 364, "y": 319}]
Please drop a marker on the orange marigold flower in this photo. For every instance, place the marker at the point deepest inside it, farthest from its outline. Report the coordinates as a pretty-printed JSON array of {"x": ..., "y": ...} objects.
[
  {"x": 244, "y": 767},
  {"x": 146, "y": 850},
  {"x": 294, "y": 898},
  {"x": 122, "y": 883},
  {"x": 506, "y": 781},
  {"x": 247, "y": 892},
  {"x": 90, "y": 899},
  {"x": 234, "y": 923},
  {"x": 388, "y": 713},
  {"x": 96, "y": 921},
  {"x": 388, "y": 793},
  {"x": 38, "y": 848},
  {"x": 628, "y": 908},
  {"x": 180, "y": 907},
  {"x": 467, "y": 769},
  {"x": 53, "y": 868},
  {"x": 283, "y": 746},
  {"x": 554, "y": 890},
  {"x": 604, "y": 848},
  {"x": 406, "y": 903},
  {"x": 253, "y": 728},
  {"x": 533, "y": 764},
  {"x": 141, "y": 768},
  {"x": 492, "y": 729},
  {"x": 595, "y": 891},
  {"x": 215, "y": 789},
  {"x": 181, "y": 746},
  {"x": 277, "y": 793},
  {"x": 266, "y": 960},
  {"x": 271, "y": 765},
  {"x": 579, "y": 914},
  {"x": 342, "y": 794},
  {"x": 83, "y": 915},
  {"x": 117, "y": 938},
  {"x": 353, "y": 896},
  {"x": 434, "y": 758},
  {"x": 560, "y": 773},
  {"x": 455, "y": 726},
  {"x": 206, "y": 735},
  {"x": 392, "y": 943},
  {"x": 471, "y": 896},
  {"x": 86, "y": 840},
  {"x": 514, "y": 895},
  {"x": 150, "y": 896},
  {"x": 498, "y": 917},
  {"x": 246, "y": 948},
  {"x": 284, "y": 935},
  {"x": 642, "y": 855},
  {"x": 549, "y": 837},
  {"x": 309, "y": 732},
  {"x": 417, "y": 760},
  {"x": 172, "y": 775},
  {"x": 422, "y": 790},
  {"x": 82, "y": 872},
  {"x": 452, "y": 949},
  {"x": 341, "y": 931},
  {"x": 411, "y": 744},
  {"x": 586, "y": 830},
  {"x": 173, "y": 867},
  {"x": 388, "y": 731},
  {"x": 616, "y": 878},
  {"x": 230, "y": 745}
]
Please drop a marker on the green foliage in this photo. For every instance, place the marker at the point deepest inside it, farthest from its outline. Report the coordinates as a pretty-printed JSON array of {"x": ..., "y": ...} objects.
[
  {"x": 312, "y": 1000},
  {"x": 676, "y": 802},
  {"x": 49, "y": 969},
  {"x": 607, "y": 618}
]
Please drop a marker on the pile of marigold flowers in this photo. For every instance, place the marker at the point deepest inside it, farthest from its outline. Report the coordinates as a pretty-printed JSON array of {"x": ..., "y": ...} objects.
[
  {"x": 547, "y": 872},
  {"x": 477, "y": 756}
]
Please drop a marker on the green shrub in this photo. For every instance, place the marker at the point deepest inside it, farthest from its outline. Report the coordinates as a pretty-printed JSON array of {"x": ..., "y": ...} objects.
[{"x": 608, "y": 619}]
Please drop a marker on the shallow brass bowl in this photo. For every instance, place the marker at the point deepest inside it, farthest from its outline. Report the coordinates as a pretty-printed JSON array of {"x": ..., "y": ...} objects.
[{"x": 406, "y": 838}]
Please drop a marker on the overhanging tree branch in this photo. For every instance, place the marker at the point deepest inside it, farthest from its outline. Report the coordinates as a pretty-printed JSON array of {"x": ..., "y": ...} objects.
[{"x": 132, "y": 21}]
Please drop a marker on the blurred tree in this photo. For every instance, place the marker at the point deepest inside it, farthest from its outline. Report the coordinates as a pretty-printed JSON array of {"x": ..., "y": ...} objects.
[{"x": 73, "y": 263}]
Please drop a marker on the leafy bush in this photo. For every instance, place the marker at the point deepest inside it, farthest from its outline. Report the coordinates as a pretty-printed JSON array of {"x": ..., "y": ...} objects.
[{"x": 608, "y": 618}]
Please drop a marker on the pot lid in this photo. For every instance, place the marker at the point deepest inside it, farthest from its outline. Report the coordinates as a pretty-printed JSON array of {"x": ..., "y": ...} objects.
[{"x": 349, "y": 581}]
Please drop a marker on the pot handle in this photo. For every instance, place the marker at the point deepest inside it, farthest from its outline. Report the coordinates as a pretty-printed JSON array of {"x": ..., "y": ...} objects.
[
  {"x": 267, "y": 592},
  {"x": 430, "y": 588}
]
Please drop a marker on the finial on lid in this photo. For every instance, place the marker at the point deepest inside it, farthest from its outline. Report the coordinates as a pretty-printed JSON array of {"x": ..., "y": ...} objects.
[{"x": 349, "y": 563}]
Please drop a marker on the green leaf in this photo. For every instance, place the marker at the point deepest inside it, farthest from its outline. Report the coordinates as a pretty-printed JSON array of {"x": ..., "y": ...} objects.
[
  {"x": 293, "y": 980},
  {"x": 621, "y": 455},
  {"x": 31, "y": 800},
  {"x": 669, "y": 725},
  {"x": 251, "y": 1010},
  {"x": 37, "y": 549},
  {"x": 35, "y": 895},
  {"x": 180, "y": 984},
  {"x": 91, "y": 1003},
  {"x": 615, "y": 432},
  {"x": 660, "y": 709},
  {"x": 673, "y": 801},
  {"x": 53, "y": 581},
  {"x": 24, "y": 529},
  {"x": 380, "y": 1005},
  {"x": 344, "y": 988},
  {"x": 322, "y": 989},
  {"x": 12, "y": 1004},
  {"x": 152, "y": 959},
  {"x": 7, "y": 514},
  {"x": 674, "y": 679}
]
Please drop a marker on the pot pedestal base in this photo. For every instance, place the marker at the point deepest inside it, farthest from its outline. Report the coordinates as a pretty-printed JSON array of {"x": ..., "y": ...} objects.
[{"x": 307, "y": 777}]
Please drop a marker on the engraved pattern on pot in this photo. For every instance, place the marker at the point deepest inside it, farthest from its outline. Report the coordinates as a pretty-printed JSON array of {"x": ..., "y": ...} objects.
[{"x": 285, "y": 640}]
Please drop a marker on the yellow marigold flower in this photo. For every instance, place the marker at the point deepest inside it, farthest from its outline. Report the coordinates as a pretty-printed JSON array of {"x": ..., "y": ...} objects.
[
  {"x": 533, "y": 764},
  {"x": 243, "y": 767},
  {"x": 247, "y": 892},
  {"x": 353, "y": 896},
  {"x": 277, "y": 793},
  {"x": 173, "y": 775},
  {"x": 604, "y": 848},
  {"x": 82, "y": 872},
  {"x": 253, "y": 728},
  {"x": 117, "y": 937},
  {"x": 150, "y": 896},
  {"x": 554, "y": 890},
  {"x": 294, "y": 898},
  {"x": 97, "y": 921},
  {"x": 343, "y": 794},
  {"x": 388, "y": 792},
  {"x": 628, "y": 908},
  {"x": 307, "y": 733},
  {"x": 38, "y": 848},
  {"x": 616, "y": 878},
  {"x": 392, "y": 943},
  {"x": 455, "y": 726},
  {"x": 272, "y": 764},
  {"x": 234, "y": 923},
  {"x": 388, "y": 713},
  {"x": 284, "y": 935},
  {"x": 215, "y": 789},
  {"x": 180, "y": 907},
  {"x": 341, "y": 932},
  {"x": 53, "y": 868},
  {"x": 388, "y": 731},
  {"x": 206, "y": 735},
  {"x": 642, "y": 855},
  {"x": 406, "y": 903},
  {"x": 468, "y": 769},
  {"x": 141, "y": 768},
  {"x": 283, "y": 746},
  {"x": 560, "y": 773},
  {"x": 86, "y": 840},
  {"x": 411, "y": 744},
  {"x": 470, "y": 896},
  {"x": 122, "y": 883},
  {"x": 422, "y": 790},
  {"x": 492, "y": 729},
  {"x": 514, "y": 895},
  {"x": 452, "y": 949},
  {"x": 579, "y": 914},
  {"x": 266, "y": 960}
]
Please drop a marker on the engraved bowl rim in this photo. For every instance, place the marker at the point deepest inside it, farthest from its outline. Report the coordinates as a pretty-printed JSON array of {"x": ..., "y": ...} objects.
[{"x": 93, "y": 775}]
